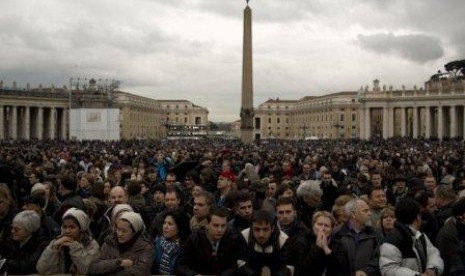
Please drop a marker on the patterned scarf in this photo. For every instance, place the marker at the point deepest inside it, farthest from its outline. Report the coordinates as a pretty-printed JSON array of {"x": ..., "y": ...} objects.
[{"x": 170, "y": 250}]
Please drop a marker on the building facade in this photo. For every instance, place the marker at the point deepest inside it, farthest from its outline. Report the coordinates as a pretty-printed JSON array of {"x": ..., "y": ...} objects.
[
  {"x": 43, "y": 113},
  {"x": 324, "y": 117}
]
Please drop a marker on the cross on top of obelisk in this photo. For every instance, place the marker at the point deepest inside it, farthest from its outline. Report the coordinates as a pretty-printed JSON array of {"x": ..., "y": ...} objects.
[{"x": 247, "y": 2}]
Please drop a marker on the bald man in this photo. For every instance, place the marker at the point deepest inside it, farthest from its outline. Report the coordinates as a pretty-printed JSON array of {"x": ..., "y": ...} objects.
[{"x": 118, "y": 195}]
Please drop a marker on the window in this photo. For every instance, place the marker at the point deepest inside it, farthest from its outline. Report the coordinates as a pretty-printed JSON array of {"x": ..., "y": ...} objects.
[
  {"x": 354, "y": 117},
  {"x": 341, "y": 117},
  {"x": 257, "y": 123},
  {"x": 269, "y": 120},
  {"x": 278, "y": 120}
]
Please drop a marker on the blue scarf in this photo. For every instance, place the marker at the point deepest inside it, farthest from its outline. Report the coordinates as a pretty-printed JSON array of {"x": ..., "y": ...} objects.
[{"x": 170, "y": 250}]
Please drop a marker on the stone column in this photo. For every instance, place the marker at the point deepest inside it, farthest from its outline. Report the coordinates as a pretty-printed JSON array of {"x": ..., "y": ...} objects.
[
  {"x": 2, "y": 123},
  {"x": 52, "y": 123},
  {"x": 385, "y": 122},
  {"x": 40, "y": 123},
  {"x": 403, "y": 123},
  {"x": 440, "y": 123},
  {"x": 64, "y": 119},
  {"x": 427, "y": 122},
  {"x": 14, "y": 122},
  {"x": 391, "y": 122},
  {"x": 367, "y": 123},
  {"x": 415, "y": 122},
  {"x": 362, "y": 123},
  {"x": 27, "y": 123},
  {"x": 453, "y": 121},
  {"x": 463, "y": 123}
]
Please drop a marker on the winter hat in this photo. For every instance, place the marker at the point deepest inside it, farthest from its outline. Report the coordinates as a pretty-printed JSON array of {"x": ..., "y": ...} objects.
[
  {"x": 228, "y": 175},
  {"x": 38, "y": 187},
  {"x": 35, "y": 199},
  {"x": 134, "y": 219},
  {"x": 120, "y": 208},
  {"x": 80, "y": 216},
  {"x": 29, "y": 219}
]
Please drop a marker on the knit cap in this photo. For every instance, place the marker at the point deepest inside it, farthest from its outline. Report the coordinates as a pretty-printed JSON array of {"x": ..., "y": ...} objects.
[
  {"x": 38, "y": 187},
  {"x": 134, "y": 219},
  {"x": 80, "y": 216},
  {"x": 120, "y": 208}
]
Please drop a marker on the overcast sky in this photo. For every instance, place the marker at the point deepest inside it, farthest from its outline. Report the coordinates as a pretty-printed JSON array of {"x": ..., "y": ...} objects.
[{"x": 192, "y": 49}]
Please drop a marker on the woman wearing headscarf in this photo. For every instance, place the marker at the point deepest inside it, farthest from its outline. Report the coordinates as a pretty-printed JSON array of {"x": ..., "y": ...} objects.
[
  {"x": 127, "y": 251},
  {"x": 25, "y": 245},
  {"x": 72, "y": 251}
]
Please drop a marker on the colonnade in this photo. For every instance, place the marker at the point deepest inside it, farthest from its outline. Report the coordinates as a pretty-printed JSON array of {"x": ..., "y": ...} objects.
[
  {"x": 427, "y": 121},
  {"x": 33, "y": 122}
]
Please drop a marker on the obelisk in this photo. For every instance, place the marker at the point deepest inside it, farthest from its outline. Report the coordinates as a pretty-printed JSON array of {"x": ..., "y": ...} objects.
[{"x": 247, "y": 112}]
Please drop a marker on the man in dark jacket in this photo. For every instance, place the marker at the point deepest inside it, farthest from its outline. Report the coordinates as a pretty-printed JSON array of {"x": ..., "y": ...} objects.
[
  {"x": 355, "y": 245},
  {"x": 262, "y": 247},
  {"x": 243, "y": 209},
  {"x": 451, "y": 241},
  {"x": 288, "y": 221},
  {"x": 210, "y": 252},
  {"x": 68, "y": 197},
  {"x": 445, "y": 197}
]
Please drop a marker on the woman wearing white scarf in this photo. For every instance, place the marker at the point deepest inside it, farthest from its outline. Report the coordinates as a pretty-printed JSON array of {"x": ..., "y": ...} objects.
[{"x": 72, "y": 251}]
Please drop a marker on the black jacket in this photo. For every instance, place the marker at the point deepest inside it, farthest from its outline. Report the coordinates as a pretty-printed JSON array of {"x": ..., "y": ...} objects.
[
  {"x": 23, "y": 260},
  {"x": 349, "y": 256},
  {"x": 68, "y": 201},
  {"x": 197, "y": 256},
  {"x": 304, "y": 255},
  {"x": 451, "y": 243},
  {"x": 254, "y": 257}
]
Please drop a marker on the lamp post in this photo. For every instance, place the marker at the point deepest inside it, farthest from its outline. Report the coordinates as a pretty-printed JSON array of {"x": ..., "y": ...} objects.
[{"x": 304, "y": 131}]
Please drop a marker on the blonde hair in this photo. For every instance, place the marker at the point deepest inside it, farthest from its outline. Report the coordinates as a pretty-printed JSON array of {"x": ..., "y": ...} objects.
[
  {"x": 6, "y": 194},
  {"x": 325, "y": 214}
]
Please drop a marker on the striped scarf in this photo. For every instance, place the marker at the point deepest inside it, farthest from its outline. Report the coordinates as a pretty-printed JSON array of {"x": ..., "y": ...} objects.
[{"x": 170, "y": 250}]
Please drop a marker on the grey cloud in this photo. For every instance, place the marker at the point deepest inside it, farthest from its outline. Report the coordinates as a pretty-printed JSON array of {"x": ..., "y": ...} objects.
[
  {"x": 418, "y": 47},
  {"x": 265, "y": 10}
]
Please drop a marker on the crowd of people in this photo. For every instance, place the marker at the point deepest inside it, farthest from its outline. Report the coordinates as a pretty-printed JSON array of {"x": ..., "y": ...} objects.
[{"x": 212, "y": 207}]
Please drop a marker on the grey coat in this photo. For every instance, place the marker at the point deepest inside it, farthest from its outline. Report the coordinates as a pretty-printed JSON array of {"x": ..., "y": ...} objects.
[
  {"x": 52, "y": 261},
  {"x": 108, "y": 263}
]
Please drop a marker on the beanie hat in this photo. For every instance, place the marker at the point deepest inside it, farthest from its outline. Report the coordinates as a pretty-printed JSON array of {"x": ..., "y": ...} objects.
[
  {"x": 120, "y": 208},
  {"x": 35, "y": 199},
  {"x": 228, "y": 175},
  {"x": 80, "y": 216},
  {"x": 134, "y": 219},
  {"x": 69, "y": 182},
  {"x": 30, "y": 220},
  {"x": 38, "y": 187}
]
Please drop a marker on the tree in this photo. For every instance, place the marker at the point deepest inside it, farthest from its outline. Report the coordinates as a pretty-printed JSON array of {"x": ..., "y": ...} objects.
[
  {"x": 213, "y": 126},
  {"x": 456, "y": 68}
]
